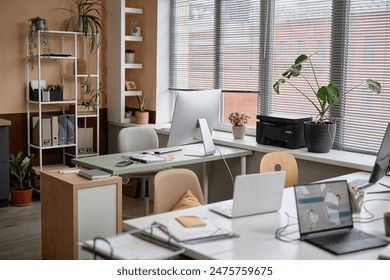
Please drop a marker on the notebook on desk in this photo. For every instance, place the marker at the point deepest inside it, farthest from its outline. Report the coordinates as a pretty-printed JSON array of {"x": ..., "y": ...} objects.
[
  {"x": 254, "y": 194},
  {"x": 325, "y": 218}
]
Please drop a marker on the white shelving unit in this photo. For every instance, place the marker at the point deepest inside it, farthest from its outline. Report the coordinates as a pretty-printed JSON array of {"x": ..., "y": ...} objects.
[
  {"x": 75, "y": 46},
  {"x": 118, "y": 41}
]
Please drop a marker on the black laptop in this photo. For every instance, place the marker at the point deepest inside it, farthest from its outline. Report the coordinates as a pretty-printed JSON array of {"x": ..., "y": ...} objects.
[{"x": 325, "y": 219}]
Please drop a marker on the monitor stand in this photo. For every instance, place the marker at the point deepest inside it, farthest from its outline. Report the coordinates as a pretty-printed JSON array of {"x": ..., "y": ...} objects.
[{"x": 208, "y": 144}]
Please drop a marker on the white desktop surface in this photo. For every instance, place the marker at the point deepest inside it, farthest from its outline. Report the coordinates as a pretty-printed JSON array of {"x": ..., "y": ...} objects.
[{"x": 257, "y": 233}]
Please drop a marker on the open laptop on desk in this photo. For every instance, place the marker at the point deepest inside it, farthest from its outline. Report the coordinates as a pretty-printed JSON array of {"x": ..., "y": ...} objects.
[
  {"x": 381, "y": 166},
  {"x": 254, "y": 194},
  {"x": 325, "y": 218}
]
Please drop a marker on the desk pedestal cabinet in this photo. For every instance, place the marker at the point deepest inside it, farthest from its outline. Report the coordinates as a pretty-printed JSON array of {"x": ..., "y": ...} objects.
[
  {"x": 75, "y": 209},
  {"x": 4, "y": 166}
]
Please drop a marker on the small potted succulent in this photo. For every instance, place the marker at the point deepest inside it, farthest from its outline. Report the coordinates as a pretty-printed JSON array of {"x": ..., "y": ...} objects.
[
  {"x": 238, "y": 121},
  {"x": 20, "y": 175},
  {"x": 129, "y": 56},
  {"x": 141, "y": 116},
  {"x": 135, "y": 29}
]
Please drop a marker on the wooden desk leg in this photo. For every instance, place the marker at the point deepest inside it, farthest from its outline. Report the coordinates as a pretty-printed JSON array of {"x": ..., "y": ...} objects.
[
  {"x": 243, "y": 165},
  {"x": 205, "y": 185}
]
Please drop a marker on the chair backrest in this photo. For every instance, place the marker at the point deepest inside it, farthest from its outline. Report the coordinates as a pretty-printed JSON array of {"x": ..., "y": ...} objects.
[
  {"x": 170, "y": 185},
  {"x": 277, "y": 161},
  {"x": 132, "y": 139}
]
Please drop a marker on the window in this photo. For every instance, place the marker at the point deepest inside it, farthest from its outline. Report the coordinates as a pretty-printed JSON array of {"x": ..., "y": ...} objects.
[{"x": 243, "y": 46}]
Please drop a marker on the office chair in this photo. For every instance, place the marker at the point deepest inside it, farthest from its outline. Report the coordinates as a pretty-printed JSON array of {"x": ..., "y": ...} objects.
[
  {"x": 170, "y": 186},
  {"x": 132, "y": 139},
  {"x": 276, "y": 161}
]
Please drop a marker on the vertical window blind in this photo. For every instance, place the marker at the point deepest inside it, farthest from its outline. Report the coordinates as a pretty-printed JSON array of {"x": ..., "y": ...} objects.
[
  {"x": 244, "y": 46},
  {"x": 365, "y": 114}
]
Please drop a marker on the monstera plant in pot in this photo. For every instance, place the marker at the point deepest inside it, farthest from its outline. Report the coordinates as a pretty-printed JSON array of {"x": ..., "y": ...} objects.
[
  {"x": 20, "y": 175},
  {"x": 320, "y": 132}
]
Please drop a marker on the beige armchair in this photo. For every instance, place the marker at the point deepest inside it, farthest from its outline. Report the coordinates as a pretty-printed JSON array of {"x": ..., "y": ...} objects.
[{"x": 170, "y": 185}]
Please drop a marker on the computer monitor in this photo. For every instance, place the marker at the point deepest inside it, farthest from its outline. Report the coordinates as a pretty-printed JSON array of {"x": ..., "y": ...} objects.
[
  {"x": 195, "y": 115},
  {"x": 381, "y": 166}
]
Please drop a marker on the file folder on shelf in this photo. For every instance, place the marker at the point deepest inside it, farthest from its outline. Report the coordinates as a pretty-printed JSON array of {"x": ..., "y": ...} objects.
[{"x": 139, "y": 244}]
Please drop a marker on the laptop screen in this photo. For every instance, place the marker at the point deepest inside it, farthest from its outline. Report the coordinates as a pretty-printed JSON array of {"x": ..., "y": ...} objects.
[{"x": 323, "y": 206}]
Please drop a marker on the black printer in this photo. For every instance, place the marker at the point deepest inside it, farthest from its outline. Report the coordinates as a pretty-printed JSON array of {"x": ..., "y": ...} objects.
[{"x": 281, "y": 130}]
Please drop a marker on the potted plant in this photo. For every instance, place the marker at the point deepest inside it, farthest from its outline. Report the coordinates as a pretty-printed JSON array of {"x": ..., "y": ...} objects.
[
  {"x": 238, "y": 121},
  {"x": 92, "y": 93},
  {"x": 86, "y": 19},
  {"x": 37, "y": 24},
  {"x": 129, "y": 56},
  {"x": 135, "y": 29},
  {"x": 20, "y": 175},
  {"x": 141, "y": 116},
  {"x": 320, "y": 132}
]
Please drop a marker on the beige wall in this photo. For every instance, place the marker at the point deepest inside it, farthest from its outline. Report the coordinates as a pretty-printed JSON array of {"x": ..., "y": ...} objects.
[{"x": 13, "y": 27}]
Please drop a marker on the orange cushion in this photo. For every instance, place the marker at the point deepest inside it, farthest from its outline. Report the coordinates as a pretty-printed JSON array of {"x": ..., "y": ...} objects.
[{"x": 188, "y": 200}]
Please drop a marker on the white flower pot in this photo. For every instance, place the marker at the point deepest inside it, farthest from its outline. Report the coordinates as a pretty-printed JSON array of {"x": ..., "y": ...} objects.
[
  {"x": 136, "y": 33},
  {"x": 129, "y": 57},
  {"x": 238, "y": 131}
]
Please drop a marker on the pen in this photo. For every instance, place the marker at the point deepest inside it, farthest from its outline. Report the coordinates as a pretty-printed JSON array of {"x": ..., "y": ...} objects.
[
  {"x": 378, "y": 192},
  {"x": 387, "y": 186}
]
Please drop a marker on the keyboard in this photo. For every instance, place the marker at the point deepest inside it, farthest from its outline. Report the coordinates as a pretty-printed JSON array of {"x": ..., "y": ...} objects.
[
  {"x": 340, "y": 237},
  {"x": 167, "y": 150},
  {"x": 359, "y": 183}
]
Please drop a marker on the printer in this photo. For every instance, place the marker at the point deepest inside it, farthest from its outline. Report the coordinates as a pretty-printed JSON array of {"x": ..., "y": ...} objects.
[{"x": 281, "y": 130}]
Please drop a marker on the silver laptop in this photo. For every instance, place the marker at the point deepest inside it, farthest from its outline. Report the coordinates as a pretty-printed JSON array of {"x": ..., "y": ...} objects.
[
  {"x": 254, "y": 194},
  {"x": 325, "y": 218}
]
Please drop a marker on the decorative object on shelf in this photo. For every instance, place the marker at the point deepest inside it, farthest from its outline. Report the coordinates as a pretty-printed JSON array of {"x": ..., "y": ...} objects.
[
  {"x": 238, "y": 121},
  {"x": 20, "y": 176},
  {"x": 37, "y": 24},
  {"x": 142, "y": 116},
  {"x": 130, "y": 85},
  {"x": 135, "y": 29},
  {"x": 319, "y": 133},
  {"x": 129, "y": 56},
  {"x": 87, "y": 19}
]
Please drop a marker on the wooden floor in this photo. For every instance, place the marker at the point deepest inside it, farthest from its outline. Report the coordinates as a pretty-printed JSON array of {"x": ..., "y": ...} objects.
[{"x": 20, "y": 228}]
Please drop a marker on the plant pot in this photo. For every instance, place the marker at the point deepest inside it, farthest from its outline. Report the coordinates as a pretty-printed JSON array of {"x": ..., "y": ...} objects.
[
  {"x": 129, "y": 57},
  {"x": 40, "y": 24},
  {"x": 238, "y": 131},
  {"x": 319, "y": 137},
  {"x": 21, "y": 197},
  {"x": 136, "y": 33},
  {"x": 77, "y": 24},
  {"x": 141, "y": 117}
]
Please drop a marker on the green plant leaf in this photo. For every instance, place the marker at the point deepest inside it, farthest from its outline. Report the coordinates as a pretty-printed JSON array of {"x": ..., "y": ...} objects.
[
  {"x": 374, "y": 86},
  {"x": 293, "y": 71},
  {"x": 329, "y": 94},
  {"x": 301, "y": 59},
  {"x": 276, "y": 85}
]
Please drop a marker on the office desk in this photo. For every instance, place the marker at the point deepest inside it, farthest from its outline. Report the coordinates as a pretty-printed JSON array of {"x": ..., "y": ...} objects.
[
  {"x": 257, "y": 233},
  {"x": 174, "y": 159}
]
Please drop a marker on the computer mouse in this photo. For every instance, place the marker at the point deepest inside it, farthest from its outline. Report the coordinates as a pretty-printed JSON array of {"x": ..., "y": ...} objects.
[{"x": 148, "y": 153}]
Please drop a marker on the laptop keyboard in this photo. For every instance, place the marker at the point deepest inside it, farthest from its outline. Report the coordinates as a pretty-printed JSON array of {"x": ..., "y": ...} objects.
[{"x": 340, "y": 237}]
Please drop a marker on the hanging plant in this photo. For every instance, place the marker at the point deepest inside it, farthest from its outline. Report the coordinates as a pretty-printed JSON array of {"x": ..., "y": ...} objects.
[{"x": 37, "y": 25}]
